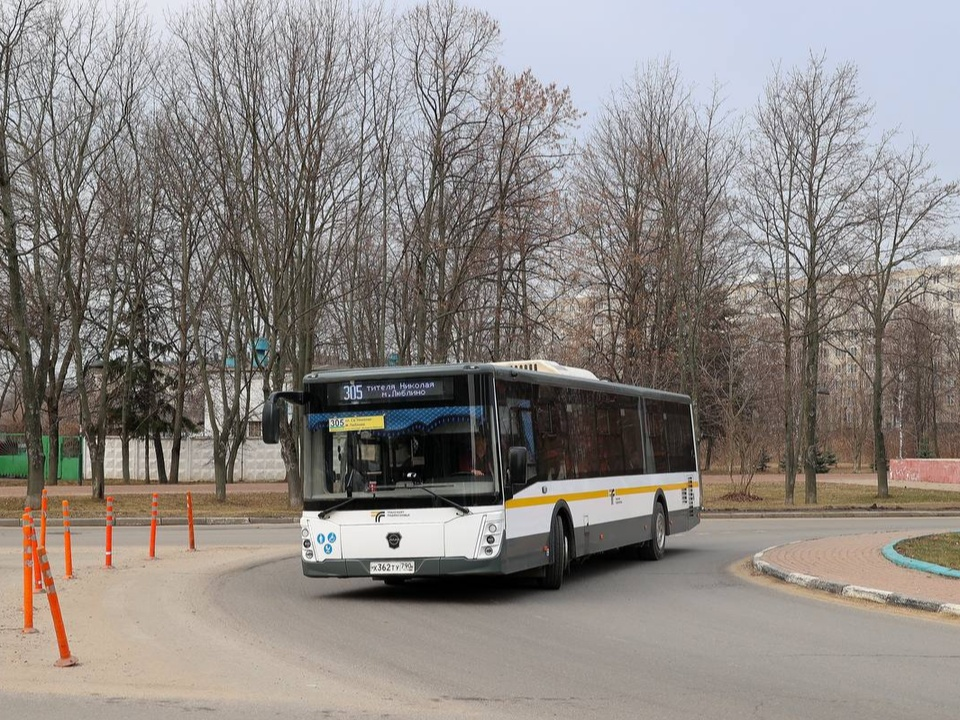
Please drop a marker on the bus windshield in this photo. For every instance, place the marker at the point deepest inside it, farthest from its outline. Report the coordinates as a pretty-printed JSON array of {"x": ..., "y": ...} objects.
[{"x": 407, "y": 438}]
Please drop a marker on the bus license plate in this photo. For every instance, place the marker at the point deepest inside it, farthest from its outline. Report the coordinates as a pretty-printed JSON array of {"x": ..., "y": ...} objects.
[{"x": 391, "y": 567}]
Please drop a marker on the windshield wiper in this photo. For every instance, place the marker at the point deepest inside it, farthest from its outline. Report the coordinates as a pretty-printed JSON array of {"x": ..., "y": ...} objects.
[
  {"x": 406, "y": 485},
  {"x": 448, "y": 501},
  {"x": 339, "y": 505}
]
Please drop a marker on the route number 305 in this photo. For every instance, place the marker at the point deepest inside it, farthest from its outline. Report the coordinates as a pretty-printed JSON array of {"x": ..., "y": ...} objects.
[{"x": 352, "y": 393}]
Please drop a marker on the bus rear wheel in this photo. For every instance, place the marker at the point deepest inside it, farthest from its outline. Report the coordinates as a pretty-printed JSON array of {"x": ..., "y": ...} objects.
[
  {"x": 654, "y": 547},
  {"x": 559, "y": 557}
]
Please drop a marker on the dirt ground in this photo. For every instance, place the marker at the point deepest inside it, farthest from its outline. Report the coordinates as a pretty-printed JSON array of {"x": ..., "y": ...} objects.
[{"x": 150, "y": 629}]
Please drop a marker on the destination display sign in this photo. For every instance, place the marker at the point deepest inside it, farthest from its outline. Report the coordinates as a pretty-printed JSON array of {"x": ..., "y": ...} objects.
[
  {"x": 375, "y": 391},
  {"x": 352, "y": 424}
]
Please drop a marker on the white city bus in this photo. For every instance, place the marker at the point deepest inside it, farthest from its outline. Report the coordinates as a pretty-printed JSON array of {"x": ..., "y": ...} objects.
[{"x": 486, "y": 469}]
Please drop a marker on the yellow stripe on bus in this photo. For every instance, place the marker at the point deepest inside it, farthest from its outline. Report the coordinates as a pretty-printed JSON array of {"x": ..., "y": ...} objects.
[{"x": 592, "y": 495}]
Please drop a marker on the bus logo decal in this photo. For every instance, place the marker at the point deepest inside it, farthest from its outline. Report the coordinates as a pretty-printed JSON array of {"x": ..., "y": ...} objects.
[
  {"x": 378, "y": 516},
  {"x": 393, "y": 540}
]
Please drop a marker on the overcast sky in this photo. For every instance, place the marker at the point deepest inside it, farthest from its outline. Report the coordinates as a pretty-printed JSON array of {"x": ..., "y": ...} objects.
[{"x": 907, "y": 52}]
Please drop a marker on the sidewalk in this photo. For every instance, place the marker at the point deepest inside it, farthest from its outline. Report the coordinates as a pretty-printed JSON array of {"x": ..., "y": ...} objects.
[{"x": 854, "y": 566}]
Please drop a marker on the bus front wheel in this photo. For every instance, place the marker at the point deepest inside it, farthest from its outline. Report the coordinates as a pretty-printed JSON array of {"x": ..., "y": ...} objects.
[{"x": 559, "y": 557}]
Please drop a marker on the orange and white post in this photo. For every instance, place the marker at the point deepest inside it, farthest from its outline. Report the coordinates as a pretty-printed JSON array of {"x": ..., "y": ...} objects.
[
  {"x": 108, "y": 559},
  {"x": 193, "y": 545},
  {"x": 27, "y": 576},
  {"x": 67, "y": 545},
  {"x": 43, "y": 518},
  {"x": 37, "y": 582},
  {"x": 66, "y": 659},
  {"x": 153, "y": 526}
]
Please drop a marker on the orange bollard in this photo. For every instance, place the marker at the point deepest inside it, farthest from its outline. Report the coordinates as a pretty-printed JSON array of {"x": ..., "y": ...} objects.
[
  {"x": 37, "y": 582},
  {"x": 67, "y": 545},
  {"x": 27, "y": 577},
  {"x": 66, "y": 659},
  {"x": 153, "y": 527},
  {"x": 193, "y": 545},
  {"x": 43, "y": 518},
  {"x": 108, "y": 561}
]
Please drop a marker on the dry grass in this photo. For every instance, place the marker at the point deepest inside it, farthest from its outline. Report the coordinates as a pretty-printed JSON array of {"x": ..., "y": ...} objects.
[
  {"x": 765, "y": 493},
  {"x": 943, "y": 550},
  {"x": 719, "y": 494},
  {"x": 238, "y": 504}
]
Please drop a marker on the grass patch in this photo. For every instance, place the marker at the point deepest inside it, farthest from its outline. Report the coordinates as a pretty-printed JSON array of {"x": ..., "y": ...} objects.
[
  {"x": 720, "y": 494},
  {"x": 174, "y": 505},
  {"x": 943, "y": 549}
]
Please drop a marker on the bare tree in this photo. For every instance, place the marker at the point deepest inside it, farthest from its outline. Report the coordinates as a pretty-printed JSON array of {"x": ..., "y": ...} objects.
[
  {"x": 447, "y": 198},
  {"x": 359, "y": 331},
  {"x": 530, "y": 129},
  {"x": 654, "y": 201},
  {"x": 811, "y": 148},
  {"x": 70, "y": 97},
  {"x": 617, "y": 219},
  {"x": 272, "y": 86},
  {"x": 908, "y": 212},
  {"x": 20, "y": 53},
  {"x": 741, "y": 384}
]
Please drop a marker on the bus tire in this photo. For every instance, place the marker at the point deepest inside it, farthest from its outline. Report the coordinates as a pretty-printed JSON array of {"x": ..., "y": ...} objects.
[
  {"x": 559, "y": 557},
  {"x": 654, "y": 547}
]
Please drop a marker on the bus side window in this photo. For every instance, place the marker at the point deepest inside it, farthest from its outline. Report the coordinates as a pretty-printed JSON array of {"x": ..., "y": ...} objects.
[
  {"x": 680, "y": 445},
  {"x": 550, "y": 429},
  {"x": 657, "y": 453},
  {"x": 631, "y": 436},
  {"x": 517, "y": 423}
]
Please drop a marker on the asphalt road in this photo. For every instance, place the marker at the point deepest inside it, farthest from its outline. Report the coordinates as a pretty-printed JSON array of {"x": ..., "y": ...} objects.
[{"x": 235, "y": 631}]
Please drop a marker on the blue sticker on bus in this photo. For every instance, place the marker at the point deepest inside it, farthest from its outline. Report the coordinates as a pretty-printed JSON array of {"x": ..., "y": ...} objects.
[
  {"x": 321, "y": 539},
  {"x": 331, "y": 538},
  {"x": 328, "y": 548}
]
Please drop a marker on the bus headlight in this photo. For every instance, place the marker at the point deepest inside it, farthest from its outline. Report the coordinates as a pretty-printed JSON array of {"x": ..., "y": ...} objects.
[{"x": 490, "y": 535}]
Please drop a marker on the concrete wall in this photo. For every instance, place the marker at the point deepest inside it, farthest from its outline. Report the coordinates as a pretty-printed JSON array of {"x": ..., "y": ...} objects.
[
  {"x": 257, "y": 462},
  {"x": 917, "y": 470}
]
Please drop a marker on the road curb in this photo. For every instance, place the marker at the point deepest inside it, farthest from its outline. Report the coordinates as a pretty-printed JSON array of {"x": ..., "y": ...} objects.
[
  {"x": 849, "y": 590},
  {"x": 891, "y": 554}
]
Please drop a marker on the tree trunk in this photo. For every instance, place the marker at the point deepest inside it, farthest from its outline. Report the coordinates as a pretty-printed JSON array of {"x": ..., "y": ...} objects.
[
  {"x": 53, "y": 441},
  {"x": 789, "y": 424},
  {"x": 220, "y": 469},
  {"x": 811, "y": 378},
  {"x": 288, "y": 448},
  {"x": 125, "y": 454},
  {"x": 158, "y": 453},
  {"x": 95, "y": 448}
]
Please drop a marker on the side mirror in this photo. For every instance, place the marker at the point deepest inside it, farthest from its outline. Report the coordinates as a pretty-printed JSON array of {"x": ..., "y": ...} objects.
[
  {"x": 518, "y": 466},
  {"x": 270, "y": 420}
]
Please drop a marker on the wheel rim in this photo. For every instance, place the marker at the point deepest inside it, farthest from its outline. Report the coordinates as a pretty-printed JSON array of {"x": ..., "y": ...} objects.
[{"x": 661, "y": 530}]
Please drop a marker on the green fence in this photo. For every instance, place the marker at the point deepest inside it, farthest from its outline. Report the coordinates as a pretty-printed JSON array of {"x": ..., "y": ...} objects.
[{"x": 13, "y": 456}]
